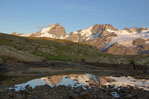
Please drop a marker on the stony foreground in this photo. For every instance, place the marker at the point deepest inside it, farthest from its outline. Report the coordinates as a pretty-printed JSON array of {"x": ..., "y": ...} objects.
[{"x": 62, "y": 92}]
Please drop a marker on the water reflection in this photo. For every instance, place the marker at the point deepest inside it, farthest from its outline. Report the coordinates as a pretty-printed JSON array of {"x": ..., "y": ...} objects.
[
  {"x": 85, "y": 80},
  {"x": 73, "y": 80}
]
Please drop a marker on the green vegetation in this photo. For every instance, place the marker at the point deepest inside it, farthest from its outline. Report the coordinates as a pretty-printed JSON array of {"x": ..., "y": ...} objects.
[
  {"x": 38, "y": 49},
  {"x": 49, "y": 57},
  {"x": 4, "y": 59}
]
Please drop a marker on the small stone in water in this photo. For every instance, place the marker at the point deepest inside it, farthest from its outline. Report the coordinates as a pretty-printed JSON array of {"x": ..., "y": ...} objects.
[{"x": 115, "y": 94}]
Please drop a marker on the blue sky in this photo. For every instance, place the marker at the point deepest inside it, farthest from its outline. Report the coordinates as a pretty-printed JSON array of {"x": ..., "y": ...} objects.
[{"x": 25, "y": 16}]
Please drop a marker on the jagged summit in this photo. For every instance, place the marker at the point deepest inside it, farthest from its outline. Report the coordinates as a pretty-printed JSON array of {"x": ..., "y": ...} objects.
[
  {"x": 102, "y": 27},
  {"x": 52, "y": 31}
]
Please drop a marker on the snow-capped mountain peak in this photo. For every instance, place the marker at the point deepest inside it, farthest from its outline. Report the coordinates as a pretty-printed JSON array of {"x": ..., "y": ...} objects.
[
  {"x": 52, "y": 31},
  {"x": 92, "y": 32}
]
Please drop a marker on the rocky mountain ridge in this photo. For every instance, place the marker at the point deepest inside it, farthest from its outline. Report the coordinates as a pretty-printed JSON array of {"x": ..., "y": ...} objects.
[
  {"x": 52, "y": 31},
  {"x": 128, "y": 41}
]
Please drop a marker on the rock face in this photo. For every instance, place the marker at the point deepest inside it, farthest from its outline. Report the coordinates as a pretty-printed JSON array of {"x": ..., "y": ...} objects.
[
  {"x": 138, "y": 41},
  {"x": 129, "y": 41},
  {"x": 102, "y": 41},
  {"x": 56, "y": 30},
  {"x": 122, "y": 50},
  {"x": 101, "y": 28}
]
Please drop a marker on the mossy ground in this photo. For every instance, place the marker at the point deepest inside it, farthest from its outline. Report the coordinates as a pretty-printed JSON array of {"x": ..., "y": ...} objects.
[{"x": 45, "y": 48}]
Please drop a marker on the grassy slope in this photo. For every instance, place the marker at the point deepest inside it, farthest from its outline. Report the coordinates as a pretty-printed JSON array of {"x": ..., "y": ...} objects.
[{"x": 39, "y": 49}]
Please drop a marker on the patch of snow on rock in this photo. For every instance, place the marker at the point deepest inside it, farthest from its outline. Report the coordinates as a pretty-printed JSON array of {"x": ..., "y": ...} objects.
[
  {"x": 111, "y": 30},
  {"x": 94, "y": 36},
  {"x": 45, "y": 30},
  {"x": 46, "y": 35}
]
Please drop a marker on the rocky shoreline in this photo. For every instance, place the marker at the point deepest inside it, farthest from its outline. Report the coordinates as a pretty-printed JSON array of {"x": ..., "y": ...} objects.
[
  {"x": 15, "y": 70},
  {"x": 63, "y": 92}
]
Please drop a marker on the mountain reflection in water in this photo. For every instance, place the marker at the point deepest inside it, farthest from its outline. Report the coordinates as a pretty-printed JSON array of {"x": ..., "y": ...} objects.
[{"x": 85, "y": 81}]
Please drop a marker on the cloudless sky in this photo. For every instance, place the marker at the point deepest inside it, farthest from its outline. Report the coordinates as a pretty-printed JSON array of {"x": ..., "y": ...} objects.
[{"x": 25, "y": 16}]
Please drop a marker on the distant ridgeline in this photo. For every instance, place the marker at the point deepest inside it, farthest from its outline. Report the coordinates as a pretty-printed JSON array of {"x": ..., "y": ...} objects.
[{"x": 129, "y": 41}]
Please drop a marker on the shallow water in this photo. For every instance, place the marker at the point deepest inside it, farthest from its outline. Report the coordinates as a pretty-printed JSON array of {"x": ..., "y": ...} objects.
[{"x": 86, "y": 81}]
